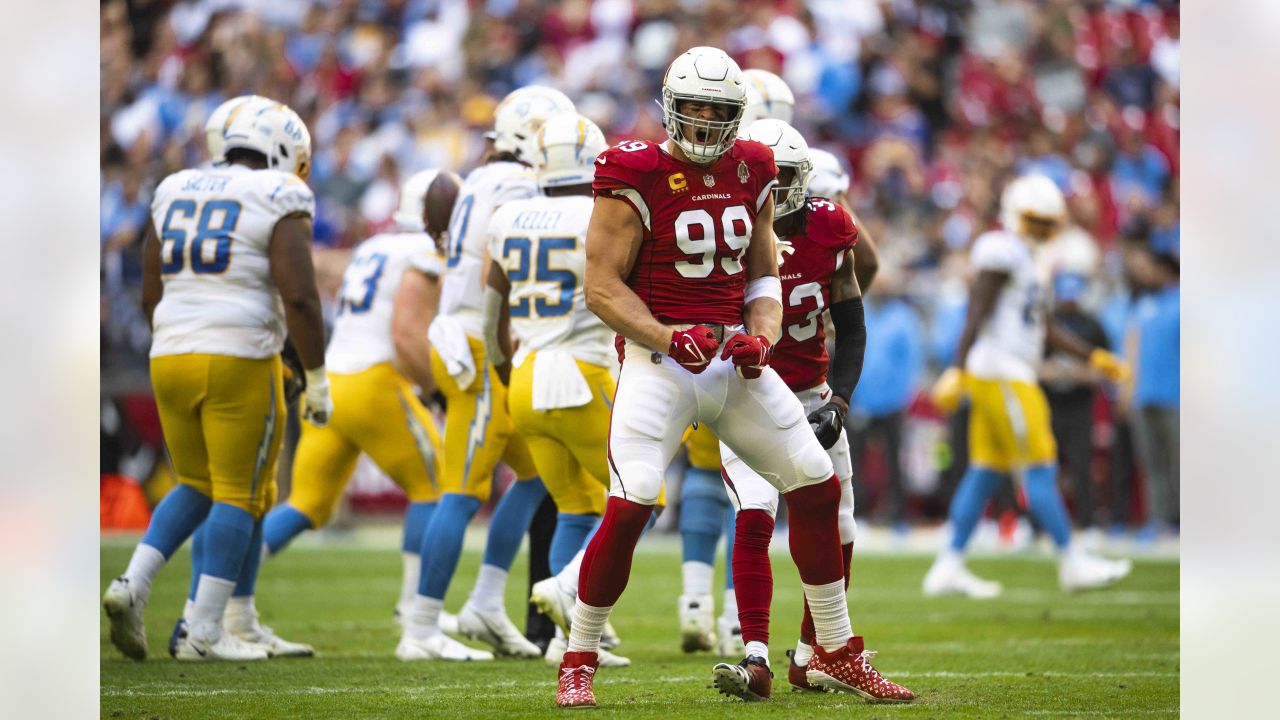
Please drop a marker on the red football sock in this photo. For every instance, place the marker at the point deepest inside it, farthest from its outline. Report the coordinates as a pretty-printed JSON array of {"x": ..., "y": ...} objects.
[
  {"x": 600, "y": 584},
  {"x": 807, "y": 633},
  {"x": 752, "y": 574},
  {"x": 815, "y": 531}
]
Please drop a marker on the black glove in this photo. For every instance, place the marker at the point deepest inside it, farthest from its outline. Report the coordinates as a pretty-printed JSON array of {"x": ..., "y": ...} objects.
[
  {"x": 828, "y": 420},
  {"x": 295, "y": 379}
]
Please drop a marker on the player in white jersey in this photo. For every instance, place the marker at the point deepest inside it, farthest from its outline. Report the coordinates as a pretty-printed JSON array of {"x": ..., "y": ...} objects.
[
  {"x": 227, "y": 268},
  {"x": 478, "y": 430},
  {"x": 1009, "y": 429},
  {"x": 560, "y": 383},
  {"x": 373, "y": 373}
]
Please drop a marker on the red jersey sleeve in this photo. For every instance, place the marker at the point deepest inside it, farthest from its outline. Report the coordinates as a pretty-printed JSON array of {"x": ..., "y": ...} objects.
[
  {"x": 831, "y": 225},
  {"x": 623, "y": 172}
]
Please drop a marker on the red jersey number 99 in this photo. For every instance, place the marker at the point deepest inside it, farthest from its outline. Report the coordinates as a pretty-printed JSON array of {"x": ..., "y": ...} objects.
[{"x": 696, "y": 236}]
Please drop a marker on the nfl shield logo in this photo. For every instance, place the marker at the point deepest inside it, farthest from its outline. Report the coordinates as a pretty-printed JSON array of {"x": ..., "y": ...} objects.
[{"x": 709, "y": 180}]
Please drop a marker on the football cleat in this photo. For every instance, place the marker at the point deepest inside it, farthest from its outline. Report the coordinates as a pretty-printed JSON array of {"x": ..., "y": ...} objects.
[
  {"x": 1081, "y": 571},
  {"x": 245, "y": 626},
  {"x": 609, "y": 638},
  {"x": 696, "y": 623},
  {"x": 178, "y": 635},
  {"x": 124, "y": 610},
  {"x": 559, "y": 646},
  {"x": 949, "y": 576},
  {"x": 577, "y": 671},
  {"x": 750, "y": 679},
  {"x": 438, "y": 646},
  {"x": 223, "y": 646},
  {"x": 552, "y": 601},
  {"x": 729, "y": 637},
  {"x": 796, "y": 675},
  {"x": 848, "y": 670},
  {"x": 496, "y": 629}
]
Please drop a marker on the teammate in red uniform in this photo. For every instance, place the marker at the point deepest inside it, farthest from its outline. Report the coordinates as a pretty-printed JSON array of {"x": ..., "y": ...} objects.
[
  {"x": 816, "y": 244},
  {"x": 681, "y": 263}
]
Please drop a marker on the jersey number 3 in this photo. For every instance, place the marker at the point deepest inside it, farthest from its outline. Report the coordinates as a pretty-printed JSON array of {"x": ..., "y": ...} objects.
[{"x": 217, "y": 221}]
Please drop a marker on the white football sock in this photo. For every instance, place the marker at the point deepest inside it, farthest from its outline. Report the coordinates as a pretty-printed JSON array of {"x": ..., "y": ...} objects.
[
  {"x": 212, "y": 595},
  {"x": 143, "y": 567},
  {"x": 490, "y": 589},
  {"x": 424, "y": 618},
  {"x": 803, "y": 653},
  {"x": 759, "y": 649},
  {"x": 587, "y": 626},
  {"x": 830, "y": 614},
  {"x": 730, "y": 610},
  {"x": 187, "y": 607},
  {"x": 697, "y": 577},
  {"x": 567, "y": 578},
  {"x": 241, "y": 613},
  {"x": 409, "y": 577}
]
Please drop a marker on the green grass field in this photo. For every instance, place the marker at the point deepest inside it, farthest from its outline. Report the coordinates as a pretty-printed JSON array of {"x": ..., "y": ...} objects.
[{"x": 1032, "y": 652}]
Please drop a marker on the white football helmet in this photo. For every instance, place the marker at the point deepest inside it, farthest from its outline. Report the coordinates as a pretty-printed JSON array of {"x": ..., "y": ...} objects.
[
  {"x": 413, "y": 195},
  {"x": 828, "y": 178},
  {"x": 517, "y": 118},
  {"x": 789, "y": 151},
  {"x": 1032, "y": 206},
  {"x": 216, "y": 125},
  {"x": 276, "y": 131},
  {"x": 768, "y": 96},
  {"x": 707, "y": 75},
  {"x": 564, "y": 150}
]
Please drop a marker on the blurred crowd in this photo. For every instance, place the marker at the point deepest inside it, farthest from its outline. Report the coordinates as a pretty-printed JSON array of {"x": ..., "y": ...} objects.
[{"x": 933, "y": 104}]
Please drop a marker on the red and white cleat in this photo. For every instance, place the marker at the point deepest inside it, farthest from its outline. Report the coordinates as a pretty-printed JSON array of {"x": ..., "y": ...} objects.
[
  {"x": 750, "y": 679},
  {"x": 847, "y": 670},
  {"x": 577, "y": 671},
  {"x": 796, "y": 675}
]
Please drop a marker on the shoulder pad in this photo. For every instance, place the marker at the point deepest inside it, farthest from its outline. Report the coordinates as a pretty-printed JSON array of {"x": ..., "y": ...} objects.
[
  {"x": 286, "y": 193},
  {"x": 636, "y": 155},
  {"x": 756, "y": 154},
  {"x": 832, "y": 221}
]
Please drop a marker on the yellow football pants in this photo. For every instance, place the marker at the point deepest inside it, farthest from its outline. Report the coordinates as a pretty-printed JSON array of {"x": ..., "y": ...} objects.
[
  {"x": 1009, "y": 425},
  {"x": 569, "y": 445},
  {"x": 478, "y": 432},
  {"x": 376, "y": 412},
  {"x": 223, "y": 420}
]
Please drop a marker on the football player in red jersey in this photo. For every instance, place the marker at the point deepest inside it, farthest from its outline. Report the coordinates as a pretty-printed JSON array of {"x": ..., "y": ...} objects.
[
  {"x": 681, "y": 263},
  {"x": 817, "y": 237}
]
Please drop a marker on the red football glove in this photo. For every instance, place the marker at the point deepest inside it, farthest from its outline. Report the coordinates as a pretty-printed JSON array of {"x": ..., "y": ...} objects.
[
  {"x": 693, "y": 348},
  {"x": 750, "y": 354}
]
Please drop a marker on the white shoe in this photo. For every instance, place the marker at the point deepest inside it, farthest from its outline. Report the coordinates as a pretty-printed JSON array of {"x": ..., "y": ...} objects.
[
  {"x": 559, "y": 646},
  {"x": 949, "y": 576},
  {"x": 697, "y": 623},
  {"x": 124, "y": 610},
  {"x": 552, "y": 601},
  {"x": 496, "y": 629},
  {"x": 609, "y": 637},
  {"x": 1079, "y": 570},
  {"x": 223, "y": 646},
  {"x": 245, "y": 626},
  {"x": 448, "y": 623},
  {"x": 1092, "y": 539},
  {"x": 438, "y": 647},
  {"x": 729, "y": 638}
]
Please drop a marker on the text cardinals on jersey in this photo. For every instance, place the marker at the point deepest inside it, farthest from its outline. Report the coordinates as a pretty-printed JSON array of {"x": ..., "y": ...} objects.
[{"x": 697, "y": 225}]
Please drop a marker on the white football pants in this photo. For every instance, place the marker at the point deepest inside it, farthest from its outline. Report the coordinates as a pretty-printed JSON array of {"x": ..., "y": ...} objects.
[
  {"x": 749, "y": 491},
  {"x": 760, "y": 420}
]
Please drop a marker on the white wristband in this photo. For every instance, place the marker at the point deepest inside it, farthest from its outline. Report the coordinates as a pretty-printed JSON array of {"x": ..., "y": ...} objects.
[
  {"x": 316, "y": 377},
  {"x": 768, "y": 286}
]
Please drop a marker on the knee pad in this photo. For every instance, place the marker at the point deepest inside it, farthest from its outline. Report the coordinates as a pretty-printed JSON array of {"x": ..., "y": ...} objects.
[
  {"x": 812, "y": 463},
  {"x": 636, "y": 471}
]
